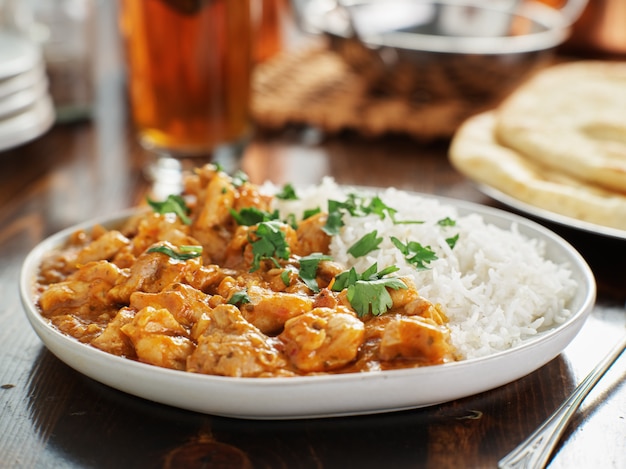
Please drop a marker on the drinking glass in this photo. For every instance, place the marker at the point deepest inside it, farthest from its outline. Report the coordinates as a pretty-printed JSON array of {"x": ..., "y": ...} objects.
[{"x": 189, "y": 67}]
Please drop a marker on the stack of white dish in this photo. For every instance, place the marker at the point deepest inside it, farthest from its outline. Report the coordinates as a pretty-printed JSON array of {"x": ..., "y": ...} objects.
[{"x": 26, "y": 109}]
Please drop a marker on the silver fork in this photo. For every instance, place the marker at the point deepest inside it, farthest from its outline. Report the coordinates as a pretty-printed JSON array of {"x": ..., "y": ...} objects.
[{"x": 534, "y": 452}]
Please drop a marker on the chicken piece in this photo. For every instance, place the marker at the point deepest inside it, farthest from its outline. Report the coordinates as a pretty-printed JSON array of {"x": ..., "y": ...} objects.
[
  {"x": 268, "y": 310},
  {"x": 323, "y": 339},
  {"x": 248, "y": 195},
  {"x": 112, "y": 340},
  {"x": 239, "y": 251},
  {"x": 311, "y": 237},
  {"x": 184, "y": 302},
  {"x": 158, "y": 338},
  {"x": 231, "y": 346},
  {"x": 103, "y": 248},
  {"x": 417, "y": 339},
  {"x": 83, "y": 330},
  {"x": 212, "y": 225},
  {"x": 152, "y": 272},
  {"x": 325, "y": 299},
  {"x": 409, "y": 302},
  {"x": 156, "y": 227},
  {"x": 84, "y": 293},
  {"x": 327, "y": 271}
]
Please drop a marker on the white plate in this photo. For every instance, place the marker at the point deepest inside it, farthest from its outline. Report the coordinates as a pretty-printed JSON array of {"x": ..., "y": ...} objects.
[
  {"x": 23, "y": 81},
  {"x": 27, "y": 125},
  {"x": 550, "y": 216},
  {"x": 17, "y": 54},
  {"x": 326, "y": 395},
  {"x": 16, "y": 102}
]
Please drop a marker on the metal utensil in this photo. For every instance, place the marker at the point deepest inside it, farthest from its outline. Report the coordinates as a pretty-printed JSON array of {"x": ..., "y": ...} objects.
[{"x": 535, "y": 451}]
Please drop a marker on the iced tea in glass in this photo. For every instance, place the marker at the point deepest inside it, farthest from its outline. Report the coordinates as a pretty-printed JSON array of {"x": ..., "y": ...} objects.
[{"x": 189, "y": 66}]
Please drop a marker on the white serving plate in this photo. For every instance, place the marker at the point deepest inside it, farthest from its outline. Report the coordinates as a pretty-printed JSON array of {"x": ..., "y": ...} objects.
[
  {"x": 27, "y": 125},
  {"x": 550, "y": 216},
  {"x": 17, "y": 54},
  {"x": 325, "y": 395}
]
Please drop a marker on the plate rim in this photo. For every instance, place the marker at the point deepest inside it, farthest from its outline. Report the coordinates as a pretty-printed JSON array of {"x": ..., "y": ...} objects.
[
  {"x": 562, "y": 333},
  {"x": 549, "y": 215}
]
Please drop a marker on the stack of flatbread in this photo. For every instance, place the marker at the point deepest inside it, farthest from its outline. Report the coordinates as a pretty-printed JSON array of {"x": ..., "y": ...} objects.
[{"x": 557, "y": 143}]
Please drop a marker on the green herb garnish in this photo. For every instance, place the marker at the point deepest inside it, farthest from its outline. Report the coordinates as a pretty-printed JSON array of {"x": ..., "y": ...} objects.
[
  {"x": 185, "y": 252},
  {"x": 239, "y": 178},
  {"x": 270, "y": 244},
  {"x": 447, "y": 222},
  {"x": 366, "y": 244},
  {"x": 415, "y": 253},
  {"x": 310, "y": 212},
  {"x": 287, "y": 193},
  {"x": 367, "y": 292},
  {"x": 452, "y": 241},
  {"x": 308, "y": 269},
  {"x": 239, "y": 298},
  {"x": 249, "y": 216},
  {"x": 285, "y": 277},
  {"x": 173, "y": 204}
]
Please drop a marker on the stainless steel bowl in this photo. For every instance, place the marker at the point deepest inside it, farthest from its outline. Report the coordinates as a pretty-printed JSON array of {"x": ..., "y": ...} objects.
[{"x": 474, "y": 51}]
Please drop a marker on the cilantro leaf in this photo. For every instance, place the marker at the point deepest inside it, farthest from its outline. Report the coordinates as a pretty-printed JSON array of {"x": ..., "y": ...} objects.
[
  {"x": 185, "y": 252},
  {"x": 287, "y": 193},
  {"x": 371, "y": 296},
  {"x": 334, "y": 222},
  {"x": 271, "y": 243},
  {"x": 380, "y": 208},
  {"x": 249, "y": 216},
  {"x": 447, "y": 222},
  {"x": 452, "y": 241},
  {"x": 285, "y": 277},
  {"x": 239, "y": 298},
  {"x": 239, "y": 178},
  {"x": 173, "y": 204},
  {"x": 366, "y": 244},
  {"x": 415, "y": 253},
  {"x": 367, "y": 292},
  {"x": 308, "y": 269},
  {"x": 310, "y": 212}
]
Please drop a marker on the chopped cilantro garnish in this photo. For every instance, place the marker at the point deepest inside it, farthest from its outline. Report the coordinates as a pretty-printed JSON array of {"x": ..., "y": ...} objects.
[
  {"x": 292, "y": 221},
  {"x": 452, "y": 241},
  {"x": 185, "y": 252},
  {"x": 367, "y": 292},
  {"x": 249, "y": 216},
  {"x": 285, "y": 277},
  {"x": 239, "y": 178},
  {"x": 415, "y": 253},
  {"x": 173, "y": 204},
  {"x": 239, "y": 298},
  {"x": 334, "y": 222},
  {"x": 366, "y": 244},
  {"x": 357, "y": 206},
  {"x": 308, "y": 269},
  {"x": 310, "y": 212},
  {"x": 378, "y": 207},
  {"x": 287, "y": 193},
  {"x": 270, "y": 244},
  {"x": 447, "y": 222}
]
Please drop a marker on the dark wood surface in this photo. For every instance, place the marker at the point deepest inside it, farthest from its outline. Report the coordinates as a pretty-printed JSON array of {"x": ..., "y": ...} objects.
[{"x": 52, "y": 416}]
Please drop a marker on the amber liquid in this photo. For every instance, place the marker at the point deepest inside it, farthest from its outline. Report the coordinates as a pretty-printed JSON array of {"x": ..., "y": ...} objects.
[{"x": 189, "y": 64}]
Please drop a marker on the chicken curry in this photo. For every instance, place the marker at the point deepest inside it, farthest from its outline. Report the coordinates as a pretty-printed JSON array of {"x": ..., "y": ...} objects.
[{"x": 210, "y": 281}]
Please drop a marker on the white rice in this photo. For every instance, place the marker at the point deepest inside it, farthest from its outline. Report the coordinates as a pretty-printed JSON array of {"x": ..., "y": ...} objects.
[{"x": 495, "y": 286}]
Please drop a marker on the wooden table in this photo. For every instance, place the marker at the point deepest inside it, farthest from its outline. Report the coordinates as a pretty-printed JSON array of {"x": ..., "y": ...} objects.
[{"x": 52, "y": 416}]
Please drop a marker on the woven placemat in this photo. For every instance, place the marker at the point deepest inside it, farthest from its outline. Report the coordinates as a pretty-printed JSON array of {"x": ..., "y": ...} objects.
[{"x": 315, "y": 87}]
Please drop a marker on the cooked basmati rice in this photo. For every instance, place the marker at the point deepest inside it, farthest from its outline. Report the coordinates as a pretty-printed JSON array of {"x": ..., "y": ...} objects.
[{"x": 495, "y": 285}]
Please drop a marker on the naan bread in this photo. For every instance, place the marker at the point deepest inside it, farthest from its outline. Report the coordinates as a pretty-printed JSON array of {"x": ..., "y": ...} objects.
[
  {"x": 572, "y": 118},
  {"x": 475, "y": 152}
]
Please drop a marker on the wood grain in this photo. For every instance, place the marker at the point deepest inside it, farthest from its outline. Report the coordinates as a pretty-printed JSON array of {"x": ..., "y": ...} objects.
[{"x": 51, "y": 416}]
